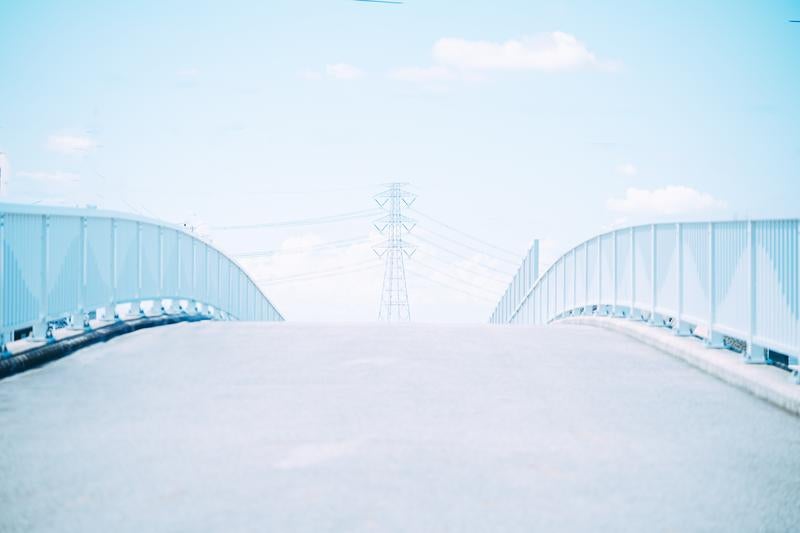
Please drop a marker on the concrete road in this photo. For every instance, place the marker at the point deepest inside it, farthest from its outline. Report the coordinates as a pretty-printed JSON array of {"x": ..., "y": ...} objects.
[{"x": 338, "y": 427}]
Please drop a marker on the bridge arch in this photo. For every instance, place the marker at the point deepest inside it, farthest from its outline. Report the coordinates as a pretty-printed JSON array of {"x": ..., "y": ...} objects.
[
  {"x": 722, "y": 281},
  {"x": 66, "y": 264}
]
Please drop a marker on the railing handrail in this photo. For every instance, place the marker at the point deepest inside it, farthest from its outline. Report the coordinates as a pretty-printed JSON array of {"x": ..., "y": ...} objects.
[
  {"x": 775, "y": 238},
  {"x": 153, "y": 251}
]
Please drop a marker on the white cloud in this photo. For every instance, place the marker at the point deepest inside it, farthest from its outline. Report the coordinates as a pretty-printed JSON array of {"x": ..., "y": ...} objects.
[
  {"x": 464, "y": 60},
  {"x": 71, "y": 144},
  {"x": 627, "y": 169},
  {"x": 50, "y": 177},
  {"x": 343, "y": 71},
  {"x": 670, "y": 200},
  {"x": 547, "y": 51}
]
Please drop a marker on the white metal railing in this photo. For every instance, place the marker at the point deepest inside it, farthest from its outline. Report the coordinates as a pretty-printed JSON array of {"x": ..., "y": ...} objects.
[
  {"x": 738, "y": 279},
  {"x": 526, "y": 275},
  {"x": 62, "y": 263}
]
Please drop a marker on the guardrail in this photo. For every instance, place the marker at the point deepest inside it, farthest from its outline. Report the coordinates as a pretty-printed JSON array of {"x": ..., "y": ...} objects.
[
  {"x": 523, "y": 280},
  {"x": 66, "y": 265},
  {"x": 728, "y": 282}
]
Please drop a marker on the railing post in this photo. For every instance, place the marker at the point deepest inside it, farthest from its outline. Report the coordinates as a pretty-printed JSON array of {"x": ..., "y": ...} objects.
[
  {"x": 653, "y": 273},
  {"x": 192, "y": 304},
  {"x": 614, "y": 296},
  {"x": 3, "y": 285},
  {"x": 586, "y": 276},
  {"x": 680, "y": 329},
  {"x": 161, "y": 270},
  {"x": 79, "y": 320},
  {"x": 111, "y": 311},
  {"x": 40, "y": 329},
  {"x": 574, "y": 280},
  {"x": 136, "y": 307},
  {"x": 753, "y": 354},
  {"x": 207, "y": 288},
  {"x": 179, "y": 261},
  {"x": 599, "y": 274},
  {"x": 563, "y": 285},
  {"x": 218, "y": 303},
  {"x": 713, "y": 340},
  {"x": 632, "y": 313},
  {"x": 230, "y": 287},
  {"x": 176, "y": 303},
  {"x": 139, "y": 261},
  {"x": 84, "y": 266},
  {"x": 547, "y": 282}
]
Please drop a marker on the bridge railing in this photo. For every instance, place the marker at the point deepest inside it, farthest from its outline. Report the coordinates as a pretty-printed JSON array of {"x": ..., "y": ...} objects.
[
  {"x": 63, "y": 264},
  {"x": 733, "y": 281}
]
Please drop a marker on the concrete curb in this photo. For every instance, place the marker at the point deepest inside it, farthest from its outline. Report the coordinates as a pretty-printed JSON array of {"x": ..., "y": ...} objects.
[
  {"x": 53, "y": 351},
  {"x": 766, "y": 382}
]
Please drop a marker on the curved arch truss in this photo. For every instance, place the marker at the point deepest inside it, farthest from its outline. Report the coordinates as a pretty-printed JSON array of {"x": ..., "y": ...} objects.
[
  {"x": 736, "y": 281},
  {"x": 66, "y": 266}
]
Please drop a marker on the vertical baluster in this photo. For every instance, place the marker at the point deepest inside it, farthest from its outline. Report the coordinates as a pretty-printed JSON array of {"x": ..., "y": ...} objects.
[
  {"x": 753, "y": 353},
  {"x": 633, "y": 274},
  {"x": 680, "y": 329},
  {"x": 574, "y": 280},
  {"x": 614, "y": 263},
  {"x": 3, "y": 286},
  {"x": 653, "y": 273},
  {"x": 713, "y": 339},
  {"x": 586, "y": 276},
  {"x": 161, "y": 268},
  {"x": 40, "y": 327},
  {"x": 599, "y": 275}
]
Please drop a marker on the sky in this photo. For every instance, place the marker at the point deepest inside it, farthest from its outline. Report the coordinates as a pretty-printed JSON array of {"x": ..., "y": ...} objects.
[{"x": 510, "y": 121}]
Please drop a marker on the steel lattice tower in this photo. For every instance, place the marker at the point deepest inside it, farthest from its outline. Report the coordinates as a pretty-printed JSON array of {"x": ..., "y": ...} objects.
[{"x": 393, "y": 225}]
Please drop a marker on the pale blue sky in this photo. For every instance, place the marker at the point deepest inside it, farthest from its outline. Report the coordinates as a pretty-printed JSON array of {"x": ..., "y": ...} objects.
[{"x": 184, "y": 110}]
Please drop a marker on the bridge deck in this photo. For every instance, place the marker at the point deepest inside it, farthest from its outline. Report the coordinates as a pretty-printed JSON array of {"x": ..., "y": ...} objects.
[{"x": 293, "y": 427}]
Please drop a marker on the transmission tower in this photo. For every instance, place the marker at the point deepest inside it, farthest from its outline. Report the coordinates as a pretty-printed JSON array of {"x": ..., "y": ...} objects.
[{"x": 393, "y": 225}]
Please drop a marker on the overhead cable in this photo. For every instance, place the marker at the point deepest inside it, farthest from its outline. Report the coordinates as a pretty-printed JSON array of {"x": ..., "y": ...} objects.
[
  {"x": 468, "y": 246},
  {"x": 455, "y": 278},
  {"x": 341, "y": 243},
  {"x": 330, "y": 274},
  {"x": 352, "y": 215},
  {"x": 372, "y": 262},
  {"x": 506, "y": 275},
  {"x": 465, "y": 234},
  {"x": 450, "y": 287}
]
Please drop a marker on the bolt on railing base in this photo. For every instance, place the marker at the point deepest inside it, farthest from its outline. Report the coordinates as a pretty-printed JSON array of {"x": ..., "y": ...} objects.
[{"x": 755, "y": 355}]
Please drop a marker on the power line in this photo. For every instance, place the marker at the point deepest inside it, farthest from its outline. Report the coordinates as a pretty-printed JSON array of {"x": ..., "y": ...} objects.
[
  {"x": 305, "y": 221},
  {"x": 329, "y": 274},
  {"x": 455, "y": 278},
  {"x": 504, "y": 273},
  {"x": 341, "y": 243},
  {"x": 302, "y": 275},
  {"x": 465, "y": 234},
  {"x": 472, "y": 248},
  {"x": 447, "y": 286},
  {"x": 484, "y": 275}
]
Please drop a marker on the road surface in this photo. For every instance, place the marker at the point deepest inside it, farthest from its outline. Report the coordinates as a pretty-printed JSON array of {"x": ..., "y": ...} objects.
[{"x": 347, "y": 427}]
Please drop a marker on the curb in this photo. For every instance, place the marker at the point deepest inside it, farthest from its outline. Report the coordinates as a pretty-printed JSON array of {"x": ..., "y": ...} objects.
[
  {"x": 763, "y": 381},
  {"x": 53, "y": 351}
]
